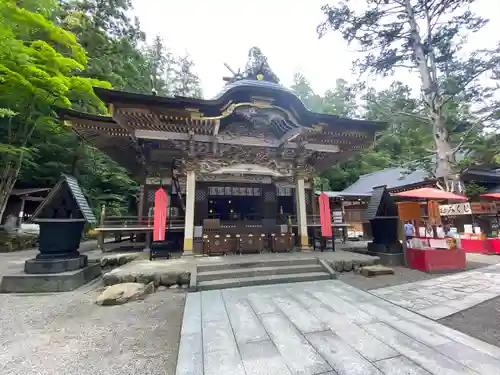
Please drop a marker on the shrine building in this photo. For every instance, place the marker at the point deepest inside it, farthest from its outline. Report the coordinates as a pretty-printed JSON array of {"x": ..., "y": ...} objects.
[{"x": 245, "y": 158}]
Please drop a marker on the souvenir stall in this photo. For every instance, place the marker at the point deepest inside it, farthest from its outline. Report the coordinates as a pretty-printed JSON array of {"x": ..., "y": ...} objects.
[
  {"x": 493, "y": 242},
  {"x": 471, "y": 223},
  {"x": 430, "y": 249}
]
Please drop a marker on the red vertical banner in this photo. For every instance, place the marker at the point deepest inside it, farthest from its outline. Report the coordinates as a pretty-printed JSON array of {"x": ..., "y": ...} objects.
[
  {"x": 325, "y": 215},
  {"x": 160, "y": 217}
]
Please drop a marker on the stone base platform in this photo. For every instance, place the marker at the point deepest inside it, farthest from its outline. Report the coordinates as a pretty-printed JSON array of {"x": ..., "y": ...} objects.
[
  {"x": 182, "y": 270},
  {"x": 47, "y": 283},
  {"x": 45, "y": 266}
]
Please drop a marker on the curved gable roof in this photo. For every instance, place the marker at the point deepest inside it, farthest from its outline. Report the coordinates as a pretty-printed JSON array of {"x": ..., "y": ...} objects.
[{"x": 391, "y": 177}]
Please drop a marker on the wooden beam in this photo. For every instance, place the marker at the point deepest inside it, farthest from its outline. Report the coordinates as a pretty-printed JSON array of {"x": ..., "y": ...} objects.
[{"x": 322, "y": 148}]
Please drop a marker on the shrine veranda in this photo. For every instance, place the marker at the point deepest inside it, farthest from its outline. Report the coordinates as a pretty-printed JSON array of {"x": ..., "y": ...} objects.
[{"x": 246, "y": 157}]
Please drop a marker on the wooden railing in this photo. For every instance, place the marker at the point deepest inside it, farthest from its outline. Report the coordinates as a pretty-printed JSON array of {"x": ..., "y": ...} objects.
[
  {"x": 124, "y": 222},
  {"x": 129, "y": 222}
]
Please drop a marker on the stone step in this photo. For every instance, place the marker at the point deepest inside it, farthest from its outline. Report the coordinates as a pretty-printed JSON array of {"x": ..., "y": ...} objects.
[
  {"x": 246, "y": 264},
  {"x": 258, "y": 271},
  {"x": 262, "y": 280}
]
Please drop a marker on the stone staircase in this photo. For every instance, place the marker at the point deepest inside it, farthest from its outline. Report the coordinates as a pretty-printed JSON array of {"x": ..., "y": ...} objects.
[{"x": 265, "y": 272}]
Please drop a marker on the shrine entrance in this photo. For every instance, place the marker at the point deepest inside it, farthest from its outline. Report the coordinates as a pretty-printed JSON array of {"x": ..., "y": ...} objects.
[
  {"x": 235, "y": 208},
  {"x": 235, "y": 202}
]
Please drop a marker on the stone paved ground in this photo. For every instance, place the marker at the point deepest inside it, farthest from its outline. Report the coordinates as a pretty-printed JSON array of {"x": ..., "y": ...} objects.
[
  {"x": 324, "y": 327},
  {"x": 68, "y": 334},
  {"x": 443, "y": 296},
  {"x": 403, "y": 275}
]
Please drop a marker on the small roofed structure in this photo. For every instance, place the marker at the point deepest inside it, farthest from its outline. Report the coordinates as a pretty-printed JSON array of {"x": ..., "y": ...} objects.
[
  {"x": 247, "y": 155},
  {"x": 58, "y": 266},
  {"x": 382, "y": 222}
]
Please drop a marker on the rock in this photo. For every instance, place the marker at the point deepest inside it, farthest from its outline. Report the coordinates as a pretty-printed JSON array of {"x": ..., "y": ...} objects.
[
  {"x": 338, "y": 266},
  {"x": 168, "y": 278},
  {"x": 175, "y": 286},
  {"x": 128, "y": 278},
  {"x": 184, "y": 278},
  {"x": 162, "y": 288},
  {"x": 355, "y": 266},
  {"x": 347, "y": 266},
  {"x": 119, "y": 294},
  {"x": 110, "y": 279},
  {"x": 112, "y": 261},
  {"x": 376, "y": 270},
  {"x": 150, "y": 288},
  {"x": 157, "y": 280},
  {"x": 104, "y": 262},
  {"x": 131, "y": 257},
  {"x": 144, "y": 278}
]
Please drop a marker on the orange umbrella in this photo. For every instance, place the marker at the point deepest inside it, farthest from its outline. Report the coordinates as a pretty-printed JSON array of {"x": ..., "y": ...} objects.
[
  {"x": 325, "y": 215},
  {"x": 160, "y": 216},
  {"x": 431, "y": 193},
  {"x": 491, "y": 195}
]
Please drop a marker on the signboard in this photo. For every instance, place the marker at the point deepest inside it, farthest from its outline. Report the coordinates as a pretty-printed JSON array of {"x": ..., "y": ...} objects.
[
  {"x": 409, "y": 211},
  {"x": 483, "y": 208},
  {"x": 477, "y": 208},
  {"x": 434, "y": 213},
  {"x": 455, "y": 209}
]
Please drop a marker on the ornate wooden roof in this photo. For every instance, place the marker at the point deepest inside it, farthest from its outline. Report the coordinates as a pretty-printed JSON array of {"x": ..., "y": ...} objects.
[{"x": 250, "y": 121}]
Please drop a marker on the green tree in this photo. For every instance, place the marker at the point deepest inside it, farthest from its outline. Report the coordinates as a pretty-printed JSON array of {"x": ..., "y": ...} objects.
[
  {"x": 162, "y": 65},
  {"x": 112, "y": 41},
  {"x": 425, "y": 36},
  {"x": 36, "y": 76},
  {"x": 185, "y": 81},
  {"x": 257, "y": 63}
]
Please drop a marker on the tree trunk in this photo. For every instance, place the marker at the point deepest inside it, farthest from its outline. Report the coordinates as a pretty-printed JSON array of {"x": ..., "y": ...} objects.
[
  {"x": 431, "y": 94},
  {"x": 444, "y": 152},
  {"x": 7, "y": 182}
]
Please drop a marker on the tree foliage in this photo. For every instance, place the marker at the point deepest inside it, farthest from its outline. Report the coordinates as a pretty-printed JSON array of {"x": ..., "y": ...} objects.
[
  {"x": 257, "y": 63},
  {"x": 427, "y": 36},
  {"x": 36, "y": 76}
]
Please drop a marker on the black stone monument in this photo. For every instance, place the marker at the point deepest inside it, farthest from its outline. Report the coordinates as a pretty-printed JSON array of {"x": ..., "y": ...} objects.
[
  {"x": 383, "y": 218},
  {"x": 59, "y": 266}
]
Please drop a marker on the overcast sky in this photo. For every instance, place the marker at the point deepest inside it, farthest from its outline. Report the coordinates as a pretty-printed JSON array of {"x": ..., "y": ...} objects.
[{"x": 220, "y": 31}]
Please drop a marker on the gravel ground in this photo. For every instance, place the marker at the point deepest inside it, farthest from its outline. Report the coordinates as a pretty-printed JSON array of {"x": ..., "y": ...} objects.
[
  {"x": 68, "y": 334},
  {"x": 481, "y": 321}
]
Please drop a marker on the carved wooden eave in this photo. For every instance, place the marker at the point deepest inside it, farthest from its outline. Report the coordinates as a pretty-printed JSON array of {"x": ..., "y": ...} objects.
[
  {"x": 106, "y": 135},
  {"x": 260, "y": 124}
]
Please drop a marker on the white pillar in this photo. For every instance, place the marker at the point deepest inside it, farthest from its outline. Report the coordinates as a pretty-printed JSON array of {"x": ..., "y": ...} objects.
[
  {"x": 189, "y": 219},
  {"x": 301, "y": 213}
]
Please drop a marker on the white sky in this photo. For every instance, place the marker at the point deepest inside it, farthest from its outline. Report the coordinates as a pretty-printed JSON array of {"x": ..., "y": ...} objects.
[{"x": 219, "y": 31}]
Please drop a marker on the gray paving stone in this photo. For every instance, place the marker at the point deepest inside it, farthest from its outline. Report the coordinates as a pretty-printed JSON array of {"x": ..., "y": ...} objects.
[
  {"x": 262, "y": 304},
  {"x": 299, "y": 316},
  {"x": 262, "y": 358},
  {"x": 408, "y": 327},
  {"x": 220, "y": 353},
  {"x": 429, "y": 359},
  {"x": 438, "y": 312},
  {"x": 246, "y": 326},
  {"x": 262, "y": 334},
  {"x": 400, "y": 366},
  {"x": 472, "y": 358},
  {"x": 300, "y": 357},
  {"x": 343, "y": 359},
  {"x": 370, "y": 347},
  {"x": 343, "y": 307},
  {"x": 192, "y": 315},
  {"x": 190, "y": 357},
  {"x": 212, "y": 306}
]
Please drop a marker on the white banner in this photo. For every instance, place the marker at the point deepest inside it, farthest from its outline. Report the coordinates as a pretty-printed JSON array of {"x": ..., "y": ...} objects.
[{"x": 455, "y": 209}]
